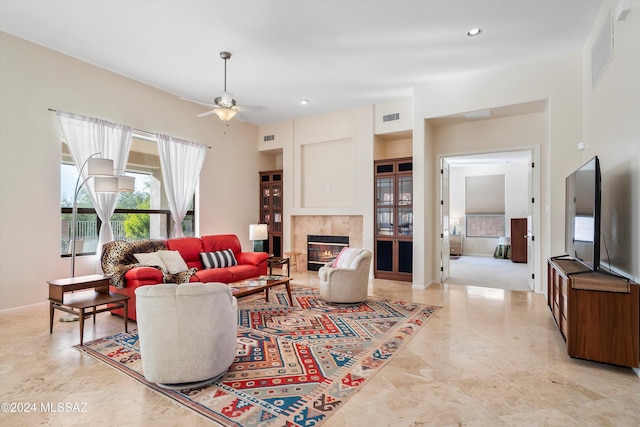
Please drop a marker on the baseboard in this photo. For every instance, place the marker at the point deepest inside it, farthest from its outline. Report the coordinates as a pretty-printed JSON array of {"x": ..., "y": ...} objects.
[
  {"x": 425, "y": 286},
  {"x": 637, "y": 371},
  {"x": 22, "y": 307}
]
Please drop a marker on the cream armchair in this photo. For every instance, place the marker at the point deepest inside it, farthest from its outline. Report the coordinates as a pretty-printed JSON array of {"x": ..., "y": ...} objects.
[
  {"x": 187, "y": 332},
  {"x": 348, "y": 281}
]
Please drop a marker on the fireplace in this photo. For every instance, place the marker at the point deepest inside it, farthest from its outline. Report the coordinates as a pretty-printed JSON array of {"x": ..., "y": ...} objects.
[{"x": 323, "y": 249}]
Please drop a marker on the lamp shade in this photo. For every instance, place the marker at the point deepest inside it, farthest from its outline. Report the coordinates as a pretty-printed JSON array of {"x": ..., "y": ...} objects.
[
  {"x": 126, "y": 184},
  {"x": 105, "y": 184},
  {"x": 224, "y": 114},
  {"x": 99, "y": 167},
  {"x": 258, "y": 232}
]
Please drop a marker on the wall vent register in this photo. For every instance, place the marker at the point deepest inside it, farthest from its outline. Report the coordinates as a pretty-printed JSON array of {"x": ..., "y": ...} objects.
[{"x": 391, "y": 117}]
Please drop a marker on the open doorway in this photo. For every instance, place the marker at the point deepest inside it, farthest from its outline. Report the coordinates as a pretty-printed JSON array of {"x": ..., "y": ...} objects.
[{"x": 489, "y": 197}]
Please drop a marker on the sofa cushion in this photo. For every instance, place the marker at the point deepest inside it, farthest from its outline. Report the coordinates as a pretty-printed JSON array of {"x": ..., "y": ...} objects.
[
  {"x": 173, "y": 261},
  {"x": 218, "y": 259},
  {"x": 223, "y": 275},
  {"x": 221, "y": 242},
  {"x": 189, "y": 248}
]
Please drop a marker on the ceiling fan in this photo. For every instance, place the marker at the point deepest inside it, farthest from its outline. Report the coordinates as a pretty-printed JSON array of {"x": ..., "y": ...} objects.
[{"x": 224, "y": 106}]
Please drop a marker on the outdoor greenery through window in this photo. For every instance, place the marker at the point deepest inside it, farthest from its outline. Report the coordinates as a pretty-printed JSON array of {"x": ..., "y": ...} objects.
[{"x": 142, "y": 214}]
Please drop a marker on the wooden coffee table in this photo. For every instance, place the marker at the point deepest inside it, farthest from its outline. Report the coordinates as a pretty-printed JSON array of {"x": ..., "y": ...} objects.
[{"x": 251, "y": 286}]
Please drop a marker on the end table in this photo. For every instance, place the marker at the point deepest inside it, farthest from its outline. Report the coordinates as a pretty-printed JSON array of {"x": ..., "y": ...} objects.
[{"x": 61, "y": 298}]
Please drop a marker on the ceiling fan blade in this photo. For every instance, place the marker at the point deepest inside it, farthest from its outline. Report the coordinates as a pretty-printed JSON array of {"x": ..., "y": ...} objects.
[
  {"x": 206, "y": 113},
  {"x": 253, "y": 108},
  {"x": 200, "y": 102},
  {"x": 239, "y": 117}
]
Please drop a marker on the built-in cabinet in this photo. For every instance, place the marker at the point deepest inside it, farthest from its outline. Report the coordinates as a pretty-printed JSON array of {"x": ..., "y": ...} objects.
[
  {"x": 393, "y": 257},
  {"x": 596, "y": 312},
  {"x": 271, "y": 209}
]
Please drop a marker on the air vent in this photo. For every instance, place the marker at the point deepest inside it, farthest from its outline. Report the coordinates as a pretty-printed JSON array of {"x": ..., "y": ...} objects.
[
  {"x": 391, "y": 117},
  {"x": 269, "y": 138}
]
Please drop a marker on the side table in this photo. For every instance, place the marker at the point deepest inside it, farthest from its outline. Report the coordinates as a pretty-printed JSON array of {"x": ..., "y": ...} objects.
[
  {"x": 61, "y": 299},
  {"x": 278, "y": 262}
]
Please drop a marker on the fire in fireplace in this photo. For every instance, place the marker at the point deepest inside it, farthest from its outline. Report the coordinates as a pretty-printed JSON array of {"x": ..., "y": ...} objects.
[{"x": 323, "y": 249}]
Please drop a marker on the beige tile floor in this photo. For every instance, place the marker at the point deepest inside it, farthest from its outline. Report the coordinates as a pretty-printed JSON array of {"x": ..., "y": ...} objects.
[{"x": 490, "y": 357}]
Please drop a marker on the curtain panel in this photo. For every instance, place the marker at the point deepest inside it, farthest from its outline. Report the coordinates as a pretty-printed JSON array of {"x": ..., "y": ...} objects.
[
  {"x": 180, "y": 162},
  {"x": 86, "y": 136}
]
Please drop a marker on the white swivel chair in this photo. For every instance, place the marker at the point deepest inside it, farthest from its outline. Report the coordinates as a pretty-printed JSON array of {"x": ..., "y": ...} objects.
[
  {"x": 187, "y": 332},
  {"x": 348, "y": 281}
]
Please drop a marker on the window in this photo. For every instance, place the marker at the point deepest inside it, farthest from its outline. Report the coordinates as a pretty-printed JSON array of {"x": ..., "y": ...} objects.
[
  {"x": 142, "y": 214},
  {"x": 484, "y": 205}
]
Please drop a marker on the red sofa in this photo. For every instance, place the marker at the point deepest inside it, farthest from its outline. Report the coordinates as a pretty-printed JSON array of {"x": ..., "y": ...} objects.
[{"x": 250, "y": 264}]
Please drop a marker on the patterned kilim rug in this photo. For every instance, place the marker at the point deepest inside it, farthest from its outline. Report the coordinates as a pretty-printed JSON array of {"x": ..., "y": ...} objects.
[{"x": 295, "y": 365}]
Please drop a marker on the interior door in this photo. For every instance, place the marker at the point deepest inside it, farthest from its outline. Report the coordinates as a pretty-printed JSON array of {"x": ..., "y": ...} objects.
[{"x": 444, "y": 221}]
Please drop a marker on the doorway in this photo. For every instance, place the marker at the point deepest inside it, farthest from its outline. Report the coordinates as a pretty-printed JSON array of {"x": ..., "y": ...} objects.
[{"x": 482, "y": 257}]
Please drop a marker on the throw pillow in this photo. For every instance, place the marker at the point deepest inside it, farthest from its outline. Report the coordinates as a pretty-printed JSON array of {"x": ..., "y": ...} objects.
[
  {"x": 335, "y": 261},
  {"x": 173, "y": 261},
  {"x": 347, "y": 257},
  {"x": 151, "y": 259},
  {"x": 218, "y": 259}
]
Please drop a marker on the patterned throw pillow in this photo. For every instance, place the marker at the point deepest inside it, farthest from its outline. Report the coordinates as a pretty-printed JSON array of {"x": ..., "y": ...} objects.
[{"x": 218, "y": 259}]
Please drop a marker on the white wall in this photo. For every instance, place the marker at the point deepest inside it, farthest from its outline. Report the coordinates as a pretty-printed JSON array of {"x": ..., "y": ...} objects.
[
  {"x": 516, "y": 185},
  {"x": 33, "y": 79},
  {"x": 557, "y": 80},
  {"x": 607, "y": 119},
  {"x": 341, "y": 182},
  {"x": 612, "y": 132}
]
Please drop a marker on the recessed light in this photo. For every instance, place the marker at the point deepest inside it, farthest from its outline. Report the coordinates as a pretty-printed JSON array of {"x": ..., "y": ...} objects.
[
  {"x": 473, "y": 32},
  {"x": 304, "y": 101}
]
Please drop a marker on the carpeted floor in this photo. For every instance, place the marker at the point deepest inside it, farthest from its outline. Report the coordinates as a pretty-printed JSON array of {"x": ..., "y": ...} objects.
[
  {"x": 295, "y": 365},
  {"x": 488, "y": 272}
]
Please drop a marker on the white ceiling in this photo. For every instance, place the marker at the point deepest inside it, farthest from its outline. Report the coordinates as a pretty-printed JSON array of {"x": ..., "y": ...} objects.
[{"x": 338, "y": 54}]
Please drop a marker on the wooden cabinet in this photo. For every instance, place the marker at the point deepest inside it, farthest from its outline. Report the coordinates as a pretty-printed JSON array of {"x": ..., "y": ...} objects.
[
  {"x": 519, "y": 239},
  {"x": 271, "y": 209},
  {"x": 455, "y": 244},
  {"x": 597, "y": 313},
  {"x": 393, "y": 258}
]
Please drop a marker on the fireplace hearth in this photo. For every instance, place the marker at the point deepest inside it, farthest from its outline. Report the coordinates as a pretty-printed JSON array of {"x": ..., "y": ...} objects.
[{"x": 323, "y": 249}]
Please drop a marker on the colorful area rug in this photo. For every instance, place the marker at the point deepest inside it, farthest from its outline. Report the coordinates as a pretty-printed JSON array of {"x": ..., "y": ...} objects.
[{"x": 295, "y": 365}]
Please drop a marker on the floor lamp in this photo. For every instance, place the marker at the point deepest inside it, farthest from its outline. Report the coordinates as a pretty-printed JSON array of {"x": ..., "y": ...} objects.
[
  {"x": 258, "y": 233},
  {"x": 102, "y": 172}
]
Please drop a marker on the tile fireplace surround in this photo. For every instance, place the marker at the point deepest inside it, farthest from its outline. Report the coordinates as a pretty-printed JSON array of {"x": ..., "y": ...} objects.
[{"x": 329, "y": 225}]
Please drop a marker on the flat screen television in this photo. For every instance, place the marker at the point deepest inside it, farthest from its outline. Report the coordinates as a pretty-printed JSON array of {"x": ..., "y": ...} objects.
[{"x": 582, "y": 214}]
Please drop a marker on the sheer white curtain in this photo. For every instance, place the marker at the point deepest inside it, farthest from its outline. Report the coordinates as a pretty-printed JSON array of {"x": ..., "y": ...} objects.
[
  {"x": 181, "y": 162},
  {"x": 86, "y": 136}
]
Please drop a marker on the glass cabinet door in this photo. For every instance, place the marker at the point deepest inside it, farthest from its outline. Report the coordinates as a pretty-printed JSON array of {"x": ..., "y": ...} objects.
[
  {"x": 277, "y": 196},
  {"x": 384, "y": 221},
  {"x": 384, "y": 191},
  {"x": 266, "y": 196},
  {"x": 405, "y": 190},
  {"x": 405, "y": 221}
]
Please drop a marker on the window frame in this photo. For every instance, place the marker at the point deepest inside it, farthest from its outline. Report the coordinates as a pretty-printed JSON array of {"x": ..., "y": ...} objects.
[{"x": 92, "y": 211}]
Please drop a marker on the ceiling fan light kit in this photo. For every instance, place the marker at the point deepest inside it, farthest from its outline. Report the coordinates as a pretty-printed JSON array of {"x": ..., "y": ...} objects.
[
  {"x": 224, "y": 114},
  {"x": 224, "y": 106}
]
